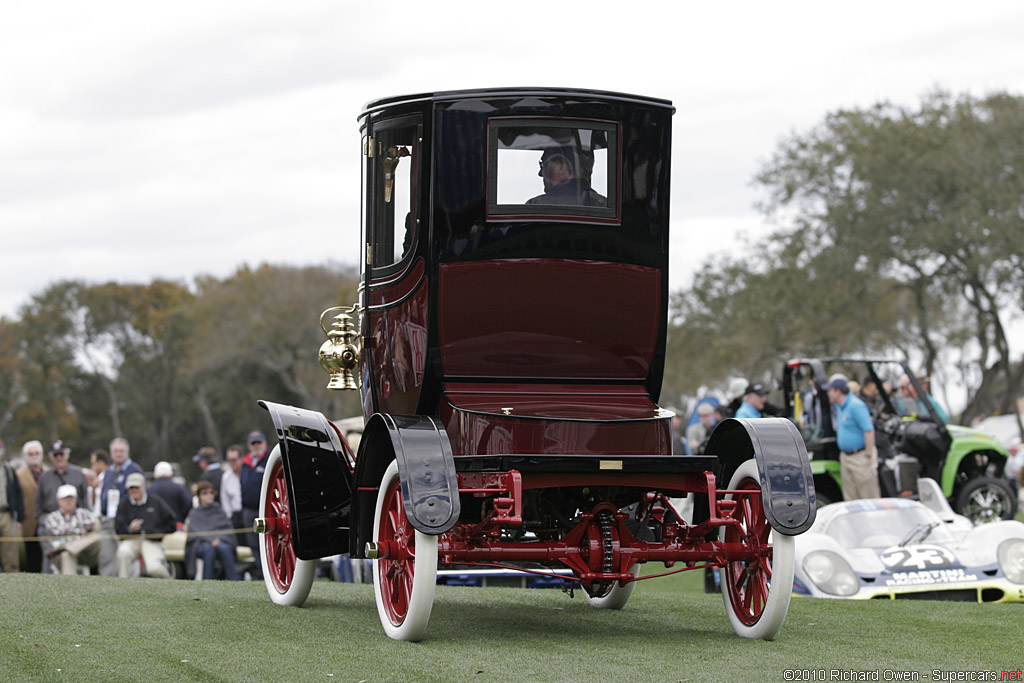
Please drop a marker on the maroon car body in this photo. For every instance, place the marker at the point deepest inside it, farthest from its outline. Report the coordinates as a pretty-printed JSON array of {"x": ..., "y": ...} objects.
[{"x": 513, "y": 317}]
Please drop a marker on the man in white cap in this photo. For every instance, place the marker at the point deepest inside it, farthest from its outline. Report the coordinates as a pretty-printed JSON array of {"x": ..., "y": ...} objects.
[
  {"x": 698, "y": 431},
  {"x": 145, "y": 520},
  {"x": 176, "y": 495},
  {"x": 73, "y": 530}
]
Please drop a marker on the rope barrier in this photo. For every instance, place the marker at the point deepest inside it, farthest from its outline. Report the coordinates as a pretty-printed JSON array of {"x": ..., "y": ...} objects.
[{"x": 124, "y": 537}]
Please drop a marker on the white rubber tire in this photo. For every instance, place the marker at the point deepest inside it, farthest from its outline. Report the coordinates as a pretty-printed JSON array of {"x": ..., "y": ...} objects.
[
  {"x": 618, "y": 596},
  {"x": 782, "y": 566},
  {"x": 305, "y": 570},
  {"x": 421, "y": 598}
]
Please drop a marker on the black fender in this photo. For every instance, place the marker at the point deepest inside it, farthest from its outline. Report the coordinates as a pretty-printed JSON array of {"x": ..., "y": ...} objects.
[
  {"x": 782, "y": 463},
  {"x": 318, "y": 478},
  {"x": 426, "y": 466}
]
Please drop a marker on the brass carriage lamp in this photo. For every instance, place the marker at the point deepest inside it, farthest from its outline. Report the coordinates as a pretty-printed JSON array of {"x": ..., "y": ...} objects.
[
  {"x": 340, "y": 354},
  {"x": 392, "y": 156}
]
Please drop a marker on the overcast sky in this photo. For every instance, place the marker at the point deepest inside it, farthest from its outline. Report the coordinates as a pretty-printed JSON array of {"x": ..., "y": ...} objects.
[{"x": 142, "y": 140}]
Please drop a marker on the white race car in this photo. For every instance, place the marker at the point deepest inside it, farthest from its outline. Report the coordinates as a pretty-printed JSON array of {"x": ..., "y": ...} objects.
[{"x": 898, "y": 548}]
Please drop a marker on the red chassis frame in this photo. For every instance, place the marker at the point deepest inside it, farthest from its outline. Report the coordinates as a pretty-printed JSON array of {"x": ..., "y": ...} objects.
[
  {"x": 599, "y": 549},
  {"x": 600, "y": 509}
]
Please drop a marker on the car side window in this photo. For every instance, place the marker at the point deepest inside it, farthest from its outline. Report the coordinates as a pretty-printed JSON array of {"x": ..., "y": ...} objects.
[{"x": 394, "y": 192}]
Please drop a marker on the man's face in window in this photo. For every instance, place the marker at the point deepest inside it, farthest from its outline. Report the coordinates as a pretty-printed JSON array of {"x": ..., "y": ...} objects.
[{"x": 554, "y": 169}]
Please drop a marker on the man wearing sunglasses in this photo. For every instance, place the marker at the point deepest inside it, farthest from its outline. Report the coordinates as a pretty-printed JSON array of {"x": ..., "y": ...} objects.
[{"x": 566, "y": 175}]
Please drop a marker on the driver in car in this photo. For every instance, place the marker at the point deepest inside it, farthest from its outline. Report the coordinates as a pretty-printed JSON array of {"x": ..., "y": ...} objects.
[
  {"x": 909, "y": 403},
  {"x": 566, "y": 175}
]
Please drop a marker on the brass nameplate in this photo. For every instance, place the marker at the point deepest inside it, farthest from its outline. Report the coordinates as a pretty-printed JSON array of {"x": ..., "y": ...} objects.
[{"x": 611, "y": 464}]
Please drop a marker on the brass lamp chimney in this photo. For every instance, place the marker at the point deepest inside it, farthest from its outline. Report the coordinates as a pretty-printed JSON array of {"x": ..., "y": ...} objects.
[{"x": 340, "y": 354}]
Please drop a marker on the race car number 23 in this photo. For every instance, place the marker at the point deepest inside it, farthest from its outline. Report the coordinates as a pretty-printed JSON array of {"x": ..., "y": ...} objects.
[{"x": 920, "y": 557}]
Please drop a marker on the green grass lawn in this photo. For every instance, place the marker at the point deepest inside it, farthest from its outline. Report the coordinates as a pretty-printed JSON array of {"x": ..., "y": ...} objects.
[{"x": 106, "y": 629}]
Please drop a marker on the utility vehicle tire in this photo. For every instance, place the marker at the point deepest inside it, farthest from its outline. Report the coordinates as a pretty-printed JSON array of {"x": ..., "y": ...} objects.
[{"x": 986, "y": 499}]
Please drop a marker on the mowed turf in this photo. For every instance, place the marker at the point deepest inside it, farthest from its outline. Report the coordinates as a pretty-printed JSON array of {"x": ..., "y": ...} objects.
[{"x": 106, "y": 629}]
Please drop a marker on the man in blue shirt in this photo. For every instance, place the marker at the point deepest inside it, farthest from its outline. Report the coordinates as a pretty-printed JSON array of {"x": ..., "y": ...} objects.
[
  {"x": 855, "y": 437},
  {"x": 753, "y": 401}
]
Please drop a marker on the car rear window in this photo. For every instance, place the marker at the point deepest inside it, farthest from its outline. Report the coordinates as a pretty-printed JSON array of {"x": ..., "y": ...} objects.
[{"x": 553, "y": 168}]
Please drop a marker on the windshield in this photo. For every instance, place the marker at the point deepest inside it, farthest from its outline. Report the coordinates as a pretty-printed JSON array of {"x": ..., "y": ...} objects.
[{"x": 882, "y": 528}]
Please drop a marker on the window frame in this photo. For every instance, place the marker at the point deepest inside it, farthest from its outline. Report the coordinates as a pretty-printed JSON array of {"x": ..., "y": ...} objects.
[
  {"x": 413, "y": 122},
  {"x": 606, "y": 215}
]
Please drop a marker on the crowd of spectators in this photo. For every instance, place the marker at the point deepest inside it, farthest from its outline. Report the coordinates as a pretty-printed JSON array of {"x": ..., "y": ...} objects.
[{"x": 108, "y": 518}]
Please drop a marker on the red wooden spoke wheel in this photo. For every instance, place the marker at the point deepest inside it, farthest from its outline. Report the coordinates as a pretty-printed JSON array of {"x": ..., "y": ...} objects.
[
  {"x": 403, "y": 580},
  {"x": 396, "y": 573},
  {"x": 288, "y": 579},
  {"x": 756, "y": 591},
  {"x": 277, "y": 541},
  {"x": 749, "y": 579}
]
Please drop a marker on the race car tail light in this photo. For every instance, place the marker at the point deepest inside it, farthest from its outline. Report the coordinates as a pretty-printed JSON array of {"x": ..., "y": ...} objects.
[
  {"x": 1011, "y": 559},
  {"x": 831, "y": 573}
]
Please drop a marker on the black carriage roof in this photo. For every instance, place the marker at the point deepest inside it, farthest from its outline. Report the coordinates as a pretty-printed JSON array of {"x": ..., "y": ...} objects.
[{"x": 451, "y": 95}]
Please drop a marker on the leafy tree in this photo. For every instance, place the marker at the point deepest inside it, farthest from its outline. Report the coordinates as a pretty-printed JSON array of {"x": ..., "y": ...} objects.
[
  {"x": 931, "y": 198},
  {"x": 169, "y": 369},
  {"x": 132, "y": 338},
  {"x": 12, "y": 391},
  {"x": 45, "y": 361},
  {"x": 255, "y": 335},
  {"x": 98, "y": 361},
  {"x": 745, "y": 316}
]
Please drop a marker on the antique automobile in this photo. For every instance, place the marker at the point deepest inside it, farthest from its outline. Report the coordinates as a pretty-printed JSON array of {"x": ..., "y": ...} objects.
[
  {"x": 913, "y": 440},
  {"x": 903, "y": 549},
  {"x": 508, "y": 343}
]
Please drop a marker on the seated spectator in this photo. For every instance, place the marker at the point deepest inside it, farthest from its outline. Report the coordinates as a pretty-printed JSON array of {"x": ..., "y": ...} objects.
[
  {"x": 909, "y": 403},
  {"x": 171, "y": 492},
  {"x": 926, "y": 384},
  {"x": 112, "y": 492},
  {"x": 210, "y": 547},
  {"x": 77, "y": 541},
  {"x": 147, "y": 517}
]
